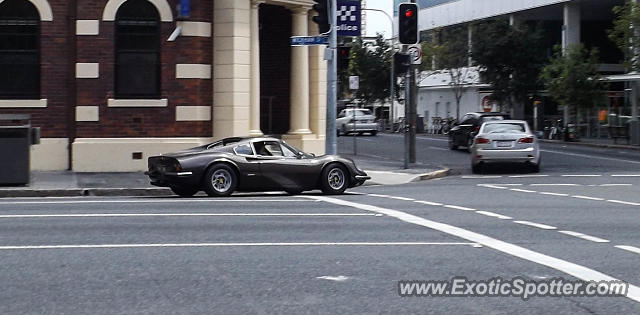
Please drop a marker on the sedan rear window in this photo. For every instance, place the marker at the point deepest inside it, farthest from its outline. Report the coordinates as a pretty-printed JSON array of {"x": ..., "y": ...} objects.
[
  {"x": 490, "y": 118},
  {"x": 503, "y": 128}
]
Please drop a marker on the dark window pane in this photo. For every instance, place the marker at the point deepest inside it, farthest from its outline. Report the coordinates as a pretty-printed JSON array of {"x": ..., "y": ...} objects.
[
  {"x": 137, "y": 50},
  {"x": 19, "y": 50}
]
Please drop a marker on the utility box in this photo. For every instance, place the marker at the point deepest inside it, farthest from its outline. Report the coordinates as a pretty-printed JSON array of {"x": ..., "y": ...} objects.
[{"x": 16, "y": 138}]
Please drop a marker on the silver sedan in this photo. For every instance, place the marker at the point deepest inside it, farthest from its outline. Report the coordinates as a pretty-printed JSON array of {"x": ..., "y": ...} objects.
[{"x": 505, "y": 141}]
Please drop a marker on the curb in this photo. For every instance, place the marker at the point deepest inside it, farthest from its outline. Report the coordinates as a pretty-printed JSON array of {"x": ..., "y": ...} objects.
[
  {"x": 84, "y": 192},
  {"x": 433, "y": 175},
  {"x": 594, "y": 145}
]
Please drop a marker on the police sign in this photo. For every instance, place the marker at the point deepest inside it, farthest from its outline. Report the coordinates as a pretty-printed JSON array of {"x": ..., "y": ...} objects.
[{"x": 349, "y": 19}]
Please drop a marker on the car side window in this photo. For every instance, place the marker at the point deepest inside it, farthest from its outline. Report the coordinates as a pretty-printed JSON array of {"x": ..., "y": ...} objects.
[
  {"x": 243, "y": 149},
  {"x": 288, "y": 153}
]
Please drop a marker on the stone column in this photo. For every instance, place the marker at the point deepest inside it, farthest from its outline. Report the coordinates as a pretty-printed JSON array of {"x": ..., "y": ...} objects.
[
  {"x": 570, "y": 36},
  {"x": 299, "y": 121},
  {"x": 254, "y": 110}
]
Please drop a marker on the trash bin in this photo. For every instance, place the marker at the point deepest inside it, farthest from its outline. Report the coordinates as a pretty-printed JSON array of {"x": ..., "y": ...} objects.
[{"x": 15, "y": 145}]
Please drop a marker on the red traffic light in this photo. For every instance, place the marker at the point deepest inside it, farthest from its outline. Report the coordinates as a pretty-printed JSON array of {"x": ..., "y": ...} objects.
[{"x": 409, "y": 13}]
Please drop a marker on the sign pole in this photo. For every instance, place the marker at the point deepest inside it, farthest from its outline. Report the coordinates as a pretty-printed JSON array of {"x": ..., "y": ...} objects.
[{"x": 331, "y": 144}]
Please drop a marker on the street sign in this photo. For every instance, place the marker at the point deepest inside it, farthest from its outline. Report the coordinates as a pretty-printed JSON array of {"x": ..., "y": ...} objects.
[
  {"x": 308, "y": 40},
  {"x": 416, "y": 54},
  {"x": 349, "y": 18},
  {"x": 354, "y": 82}
]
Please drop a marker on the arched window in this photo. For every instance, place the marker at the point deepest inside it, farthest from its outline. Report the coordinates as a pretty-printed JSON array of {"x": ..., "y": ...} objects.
[
  {"x": 19, "y": 50},
  {"x": 137, "y": 35}
]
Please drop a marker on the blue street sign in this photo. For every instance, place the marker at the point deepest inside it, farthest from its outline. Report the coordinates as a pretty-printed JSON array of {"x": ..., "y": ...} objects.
[
  {"x": 308, "y": 40},
  {"x": 349, "y": 18}
]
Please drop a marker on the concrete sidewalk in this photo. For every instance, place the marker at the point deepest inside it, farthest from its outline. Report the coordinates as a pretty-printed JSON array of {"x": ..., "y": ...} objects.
[{"x": 67, "y": 183}]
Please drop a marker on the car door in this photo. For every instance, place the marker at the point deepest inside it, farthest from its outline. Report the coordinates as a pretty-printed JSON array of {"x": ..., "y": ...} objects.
[
  {"x": 250, "y": 168},
  {"x": 461, "y": 130},
  {"x": 280, "y": 167}
]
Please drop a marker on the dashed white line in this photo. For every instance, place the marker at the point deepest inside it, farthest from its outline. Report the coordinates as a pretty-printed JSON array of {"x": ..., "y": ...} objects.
[
  {"x": 428, "y": 203},
  {"x": 581, "y": 175},
  {"x": 511, "y": 184},
  {"x": 625, "y": 175},
  {"x": 624, "y": 202},
  {"x": 629, "y": 248},
  {"x": 554, "y": 185},
  {"x": 528, "y": 176},
  {"x": 591, "y": 156},
  {"x": 614, "y": 185},
  {"x": 492, "y": 186},
  {"x": 578, "y": 271},
  {"x": 495, "y": 215},
  {"x": 378, "y": 195},
  {"x": 459, "y": 208},
  {"x": 523, "y": 190},
  {"x": 235, "y": 245},
  {"x": 585, "y": 237},
  {"x": 401, "y": 198},
  {"x": 587, "y": 198},
  {"x": 537, "y": 225},
  {"x": 552, "y": 194}
]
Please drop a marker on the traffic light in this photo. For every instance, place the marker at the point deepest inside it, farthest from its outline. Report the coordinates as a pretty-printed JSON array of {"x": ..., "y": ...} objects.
[
  {"x": 322, "y": 19},
  {"x": 401, "y": 63},
  {"x": 408, "y": 23},
  {"x": 343, "y": 57}
]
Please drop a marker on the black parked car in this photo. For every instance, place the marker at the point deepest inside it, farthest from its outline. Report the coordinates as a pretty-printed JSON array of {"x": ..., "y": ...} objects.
[
  {"x": 463, "y": 132},
  {"x": 252, "y": 164}
]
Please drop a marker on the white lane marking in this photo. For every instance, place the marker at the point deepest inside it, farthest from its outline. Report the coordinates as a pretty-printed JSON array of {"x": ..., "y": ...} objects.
[
  {"x": 585, "y": 236},
  {"x": 591, "y": 156},
  {"x": 432, "y": 139},
  {"x": 108, "y": 215},
  {"x": 334, "y": 278},
  {"x": 629, "y": 248},
  {"x": 553, "y": 194},
  {"x": 495, "y": 215},
  {"x": 428, "y": 203},
  {"x": 492, "y": 186},
  {"x": 624, "y": 202},
  {"x": 578, "y": 271},
  {"x": 554, "y": 185},
  {"x": 438, "y": 148},
  {"x": 537, "y": 225},
  {"x": 401, "y": 198},
  {"x": 185, "y": 200},
  {"x": 626, "y": 175},
  {"x": 587, "y": 198},
  {"x": 614, "y": 185},
  {"x": 523, "y": 190},
  {"x": 527, "y": 176},
  {"x": 459, "y": 208},
  {"x": 511, "y": 184},
  {"x": 378, "y": 195},
  {"x": 581, "y": 175},
  {"x": 237, "y": 244},
  {"x": 480, "y": 177}
]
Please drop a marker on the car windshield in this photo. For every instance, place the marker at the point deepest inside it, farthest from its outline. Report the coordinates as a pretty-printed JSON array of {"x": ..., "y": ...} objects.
[
  {"x": 490, "y": 118},
  {"x": 504, "y": 128}
]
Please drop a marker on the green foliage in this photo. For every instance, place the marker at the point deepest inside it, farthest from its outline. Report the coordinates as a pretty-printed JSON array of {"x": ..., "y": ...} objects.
[
  {"x": 572, "y": 78},
  {"x": 371, "y": 62},
  {"x": 625, "y": 35},
  {"x": 510, "y": 59}
]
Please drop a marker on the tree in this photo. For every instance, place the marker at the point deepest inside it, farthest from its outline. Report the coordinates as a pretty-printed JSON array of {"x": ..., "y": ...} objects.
[
  {"x": 371, "y": 62},
  {"x": 510, "y": 59},
  {"x": 626, "y": 35},
  {"x": 448, "y": 52},
  {"x": 572, "y": 78}
]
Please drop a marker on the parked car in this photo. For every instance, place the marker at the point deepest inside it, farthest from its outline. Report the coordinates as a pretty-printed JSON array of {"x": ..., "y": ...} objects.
[
  {"x": 463, "y": 132},
  {"x": 251, "y": 164},
  {"x": 358, "y": 120},
  {"x": 501, "y": 141}
]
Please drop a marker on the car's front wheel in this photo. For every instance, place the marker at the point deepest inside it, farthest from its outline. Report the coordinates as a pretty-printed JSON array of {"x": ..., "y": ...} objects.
[
  {"x": 452, "y": 144},
  {"x": 220, "y": 180},
  {"x": 184, "y": 191},
  {"x": 334, "y": 179}
]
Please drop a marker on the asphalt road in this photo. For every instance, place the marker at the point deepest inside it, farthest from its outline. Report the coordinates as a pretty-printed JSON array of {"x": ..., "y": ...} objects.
[{"x": 312, "y": 254}]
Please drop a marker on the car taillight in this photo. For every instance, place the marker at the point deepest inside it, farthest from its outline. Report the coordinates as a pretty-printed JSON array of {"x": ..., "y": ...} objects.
[
  {"x": 480, "y": 140},
  {"x": 526, "y": 140},
  {"x": 477, "y": 128}
]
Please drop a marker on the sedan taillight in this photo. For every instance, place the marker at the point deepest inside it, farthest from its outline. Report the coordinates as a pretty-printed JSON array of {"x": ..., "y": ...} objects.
[
  {"x": 480, "y": 140},
  {"x": 526, "y": 140}
]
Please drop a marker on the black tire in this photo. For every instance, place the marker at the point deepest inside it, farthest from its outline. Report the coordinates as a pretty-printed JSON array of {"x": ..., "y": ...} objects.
[
  {"x": 452, "y": 144},
  {"x": 184, "y": 192},
  {"x": 220, "y": 181},
  {"x": 535, "y": 168},
  {"x": 334, "y": 179},
  {"x": 374, "y": 133},
  {"x": 293, "y": 192},
  {"x": 469, "y": 144},
  {"x": 476, "y": 169},
  {"x": 337, "y": 132},
  {"x": 344, "y": 131}
]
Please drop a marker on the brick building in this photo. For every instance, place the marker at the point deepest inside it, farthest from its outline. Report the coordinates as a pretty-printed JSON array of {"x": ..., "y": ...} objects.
[{"x": 109, "y": 85}]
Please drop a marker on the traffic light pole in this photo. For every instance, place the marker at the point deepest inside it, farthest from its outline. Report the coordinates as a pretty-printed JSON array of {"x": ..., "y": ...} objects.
[
  {"x": 331, "y": 141},
  {"x": 407, "y": 113}
]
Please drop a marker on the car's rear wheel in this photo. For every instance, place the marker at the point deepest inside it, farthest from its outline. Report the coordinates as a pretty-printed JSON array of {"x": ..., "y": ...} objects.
[
  {"x": 469, "y": 144},
  {"x": 476, "y": 168},
  {"x": 184, "y": 191},
  {"x": 452, "y": 144},
  {"x": 334, "y": 179},
  {"x": 535, "y": 168},
  {"x": 375, "y": 132},
  {"x": 220, "y": 180}
]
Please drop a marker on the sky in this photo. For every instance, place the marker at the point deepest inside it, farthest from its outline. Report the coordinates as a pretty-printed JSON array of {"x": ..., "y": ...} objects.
[{"x": 378, "y": 23}]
